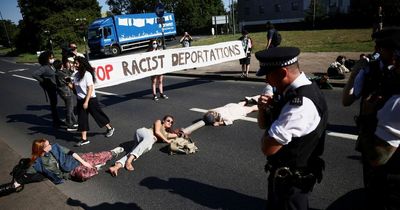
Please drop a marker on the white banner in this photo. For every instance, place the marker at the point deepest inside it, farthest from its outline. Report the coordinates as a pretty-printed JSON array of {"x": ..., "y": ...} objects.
[{"x": 117, "y": 70}]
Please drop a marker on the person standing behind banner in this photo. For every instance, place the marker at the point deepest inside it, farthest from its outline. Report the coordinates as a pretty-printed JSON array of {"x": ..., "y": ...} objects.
[
  {"x": 186, "y": 40},
  {"x": 247, "y": 44},
  {"x": 87, "y": 102},
  {"x": 156, "y": 79},
  {"x": 47, "y": 80}
]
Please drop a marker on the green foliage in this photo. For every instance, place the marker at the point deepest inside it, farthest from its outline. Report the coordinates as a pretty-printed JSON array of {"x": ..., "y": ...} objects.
[
  {"x": 8, "y": 32},
  {"x": 56, "y": 20}
]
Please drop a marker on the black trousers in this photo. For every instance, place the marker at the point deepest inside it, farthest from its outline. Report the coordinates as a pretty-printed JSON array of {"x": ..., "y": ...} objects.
[
  {"x": 51, "y": 92},
  {"x": 93, "y": 109},
  {"x": 285, "y": 197}
]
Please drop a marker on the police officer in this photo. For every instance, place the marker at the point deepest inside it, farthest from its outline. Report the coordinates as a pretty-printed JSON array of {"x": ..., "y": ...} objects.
[{"x": 295, "y": 122}]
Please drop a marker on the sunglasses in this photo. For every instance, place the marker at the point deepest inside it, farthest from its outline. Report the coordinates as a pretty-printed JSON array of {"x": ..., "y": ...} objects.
[{"x": 170, "y": 121}]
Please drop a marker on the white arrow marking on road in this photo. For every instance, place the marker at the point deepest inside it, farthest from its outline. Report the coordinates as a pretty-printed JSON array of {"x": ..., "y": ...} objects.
[
  {"x": 17, "y": 70},
  {"x": 101, "y": 92},
  {"x": 250, "y": 119},
  {"x": 330, "y": 133}
]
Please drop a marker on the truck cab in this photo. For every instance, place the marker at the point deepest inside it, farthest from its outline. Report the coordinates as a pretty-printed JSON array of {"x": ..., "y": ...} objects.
[{"x": 102, "y": 37}]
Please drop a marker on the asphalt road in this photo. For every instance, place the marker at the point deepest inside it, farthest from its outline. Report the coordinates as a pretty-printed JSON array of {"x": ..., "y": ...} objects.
[{"x": 227, "y": 172}]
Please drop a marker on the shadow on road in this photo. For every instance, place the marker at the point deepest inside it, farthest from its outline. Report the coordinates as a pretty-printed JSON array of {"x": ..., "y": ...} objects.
[
  {"x": 111, "y": 100},
  {"x": 117, "y": 205},
  {"x": 353, "y": 200},
  {"x": 204, "y": 194}
]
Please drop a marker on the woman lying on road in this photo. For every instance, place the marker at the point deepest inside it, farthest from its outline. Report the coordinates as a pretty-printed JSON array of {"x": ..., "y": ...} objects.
[
  {"x": 144, "y": 139},
  {"x": 58, "y": 163}
]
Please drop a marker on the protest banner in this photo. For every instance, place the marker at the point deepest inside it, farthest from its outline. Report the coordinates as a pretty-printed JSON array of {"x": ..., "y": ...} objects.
[{"x": 118, "y": 70}]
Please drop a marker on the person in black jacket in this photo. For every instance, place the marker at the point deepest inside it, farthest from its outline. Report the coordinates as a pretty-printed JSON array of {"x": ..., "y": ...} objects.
[
  {"x": 46, "y": 77},
  {"x": 64, "y": 87}
]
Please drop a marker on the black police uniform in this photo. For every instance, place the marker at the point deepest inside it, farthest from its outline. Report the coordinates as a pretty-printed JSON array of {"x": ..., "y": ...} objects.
[{"x": 296, "y": 167}]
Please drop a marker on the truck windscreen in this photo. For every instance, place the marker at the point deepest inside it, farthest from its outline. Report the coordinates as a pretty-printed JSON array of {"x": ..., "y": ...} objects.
[{"x": 94, "y": 33}]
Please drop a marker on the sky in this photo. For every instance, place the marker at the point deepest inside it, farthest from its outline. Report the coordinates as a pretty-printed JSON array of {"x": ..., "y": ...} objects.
[{"x": 10, "y": 11}]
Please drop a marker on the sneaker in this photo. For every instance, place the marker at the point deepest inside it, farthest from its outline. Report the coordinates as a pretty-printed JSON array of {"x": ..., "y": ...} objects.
[
  {"x": 116, "y": 151},
  {"x": 110, "y": 132},
  {"x": 82, "y": 142},
  {"x": 98, "y": 166},
  {"x": 155, "y": 98},
  {"x": 163, "y": 96},
  {"x": 72, "y": 128}
]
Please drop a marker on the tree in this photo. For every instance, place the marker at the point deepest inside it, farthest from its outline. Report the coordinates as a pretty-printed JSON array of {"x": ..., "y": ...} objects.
[
  {"x": 8, "y": 32},
  {"x": 118, "y": 7},
  {"x": 315, "y": 13},
  {"x": 45, "y": 20}
]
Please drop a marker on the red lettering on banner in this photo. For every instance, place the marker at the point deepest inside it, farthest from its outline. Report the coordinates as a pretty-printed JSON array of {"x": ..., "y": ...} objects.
[{"x": 103, "y": 73}]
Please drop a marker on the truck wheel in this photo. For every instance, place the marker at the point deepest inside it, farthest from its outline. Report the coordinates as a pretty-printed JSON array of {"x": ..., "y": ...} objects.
[{"x": 115, "y": 50}]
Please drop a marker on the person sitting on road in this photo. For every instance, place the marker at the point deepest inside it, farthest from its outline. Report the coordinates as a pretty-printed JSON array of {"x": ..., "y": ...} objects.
[
  {"x": 225, "y": 115},
  {"x": 58, "y": 163},
  {"x": 144, "y": 140}
]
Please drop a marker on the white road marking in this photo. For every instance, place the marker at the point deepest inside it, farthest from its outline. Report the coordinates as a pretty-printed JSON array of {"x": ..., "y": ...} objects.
[
  {"x": 7, "y": 61},
  {"x": 17, "y": 70},
  {"x": 330, "y": 133},
  {"x": 97, "y": 91},
  {"x": 2, "y": 72},
  {"x": 28, "y": 78},
  {"x": 106, "y": 93},
  {"x": 342, "y": 135}
]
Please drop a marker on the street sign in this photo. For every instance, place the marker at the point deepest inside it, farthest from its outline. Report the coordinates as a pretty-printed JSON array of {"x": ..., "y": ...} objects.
[
  {"x": 160, "y": 9},
  {"x": 223, "y": 19}
]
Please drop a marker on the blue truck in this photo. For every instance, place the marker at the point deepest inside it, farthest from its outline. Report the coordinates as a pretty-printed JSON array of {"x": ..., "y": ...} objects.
[{"x": 115, "y": 34}]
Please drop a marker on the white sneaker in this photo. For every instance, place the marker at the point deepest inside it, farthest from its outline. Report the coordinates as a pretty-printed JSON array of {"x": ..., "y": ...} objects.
[
  {"x": 110, "y": 132},
  {"x": 117, "y": 150},
  {"x": 81, "y": 143}
]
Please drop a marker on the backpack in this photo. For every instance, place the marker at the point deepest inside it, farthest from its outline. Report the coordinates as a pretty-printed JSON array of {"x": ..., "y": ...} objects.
[
  {"x": 182, "y": 145},
  {"x": 276, "y": 39},
  {"x": 19, "y": 172}
]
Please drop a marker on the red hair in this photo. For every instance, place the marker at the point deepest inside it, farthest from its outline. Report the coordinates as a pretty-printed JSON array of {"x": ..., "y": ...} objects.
[{"x": 37, "y": 148}]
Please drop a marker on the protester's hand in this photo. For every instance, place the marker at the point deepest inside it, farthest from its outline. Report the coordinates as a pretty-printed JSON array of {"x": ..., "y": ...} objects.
[
  {"x": 85, "y": 105},
  {"x": 86, "y": 164},
  {"x": 264, "y": 102}
]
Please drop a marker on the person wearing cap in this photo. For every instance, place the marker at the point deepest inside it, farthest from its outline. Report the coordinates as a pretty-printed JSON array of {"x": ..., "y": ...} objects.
[
  {"x": 295, "y": 120},
  {"x": 369, "y": 77},
  {"x": 379, "y": 123},
  {"x": 225, "y": 115},
  {"x": 247, "y": 44}
]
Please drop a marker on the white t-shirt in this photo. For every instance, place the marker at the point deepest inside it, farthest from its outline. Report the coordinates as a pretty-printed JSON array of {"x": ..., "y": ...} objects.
[
  {"x": 388, "y": 128},
  {"x": 81, "y": 86},
  {"x": 294, "y": 120},
  {"x": 231, "y": 112}
]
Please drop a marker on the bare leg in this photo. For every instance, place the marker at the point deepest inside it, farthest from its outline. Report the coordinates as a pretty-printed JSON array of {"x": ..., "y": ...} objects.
[
  {"x": 160, "y": 84},
  {"x": 128, "y": 163},
  {"x": 247, "y": 69},
  {"x": 114, "y": 169},
  {"x": 153, "y": 85},
  {"x": 84, "y": 135}
]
